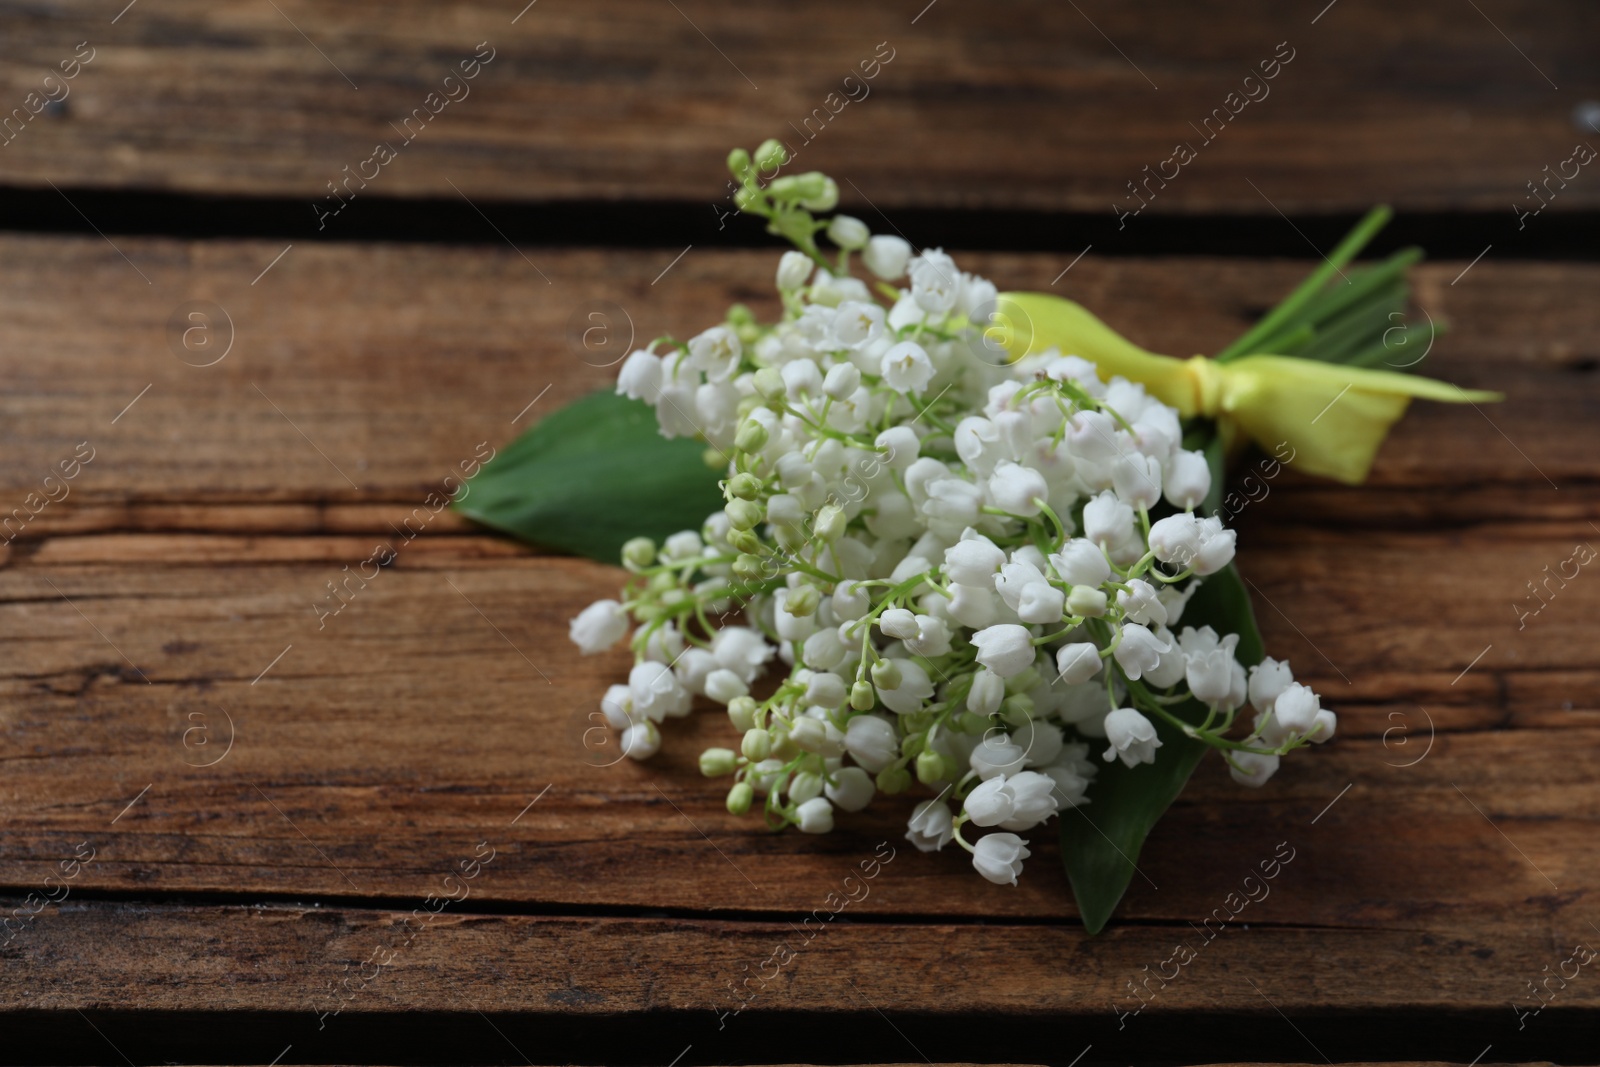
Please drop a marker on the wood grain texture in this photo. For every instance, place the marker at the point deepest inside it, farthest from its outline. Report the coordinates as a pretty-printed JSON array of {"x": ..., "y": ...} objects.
[
  {"x": 443, "y": 699},
  {"x": 1040, "y": 105},
  {"x": 317, "y": 406},
  {"x": 1441, "y": 844}
]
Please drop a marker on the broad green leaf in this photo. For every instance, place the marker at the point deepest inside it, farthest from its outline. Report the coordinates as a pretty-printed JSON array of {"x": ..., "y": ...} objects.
[
  {"x": 591, "y": 476},
  {"x": 1100, "y": 842}
]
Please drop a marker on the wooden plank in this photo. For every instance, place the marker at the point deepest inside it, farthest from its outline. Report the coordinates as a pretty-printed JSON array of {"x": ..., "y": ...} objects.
[
  {"x": 1043, "y": 988},
  {"x": 1051, "y": 107},
  {"x": 444, "y": 699},
  {"x": 321, "y": 384},
  {"x": 469, "y": 957}
]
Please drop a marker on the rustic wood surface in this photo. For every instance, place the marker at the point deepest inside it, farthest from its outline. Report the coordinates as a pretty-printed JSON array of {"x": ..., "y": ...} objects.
[
  {"x": 1443, "y": 845},
  {"x": 1431, "y": 106}
]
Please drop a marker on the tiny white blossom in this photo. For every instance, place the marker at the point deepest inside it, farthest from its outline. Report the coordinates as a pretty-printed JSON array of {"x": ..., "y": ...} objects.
[
  {"x": 640, "y": 377},
  {"x": 1251, "y": 768},
  {"x": 598, "y": 626},
  {"x": 1188, "y": 479},
  {"x": 872, "y": 742},
  {"x": 931, "y": 826},
  {"x": 1268, "y": 679},
  {"x": 1107, "y": 521},
  {"x": 1141, "y": 604},
  {"x": 887, "y": 256},
  {"x": 998, "y": 857},
  {"x": 1216, "y": 547},
  {"x": 1015, "y": 488},
  {"x": 851, "y": 788},
  {"x": 1006, "y": 649},
  {"x": 974, "y": 561},
  {"x": 990, "y": 803},
  {"x": 1081, "y": 562},
  {"x": 716, "y": 352},
  {"x": 1132, "y": 736},
  {"x": 617, "y": 707},
  {"x": 815, "y": 816},
  {"x": 906, "y": 367},
  {"x": 857, "y": 324},
  {"x": 641, "y": 740},
  {"x": 794, "y": 270},
  {"x": 1296, "y": 708},
  {"x": 988, "y": 690},
  {"x": 722, "y": 685},
  {"x": 1032, "y": 800},
  {"x": 1176, "y": 539},
  {"x": 1077, "y": 662},
  {"x": 1139, "y": 650},
  {"x": 995, "y": 755}
]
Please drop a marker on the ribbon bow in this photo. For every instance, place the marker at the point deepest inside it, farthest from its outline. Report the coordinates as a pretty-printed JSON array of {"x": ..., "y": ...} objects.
[{"x": 1334, "y": 416}]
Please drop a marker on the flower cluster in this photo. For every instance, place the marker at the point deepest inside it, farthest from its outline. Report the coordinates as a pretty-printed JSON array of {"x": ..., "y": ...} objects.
[{"x": 952, "y": 555}]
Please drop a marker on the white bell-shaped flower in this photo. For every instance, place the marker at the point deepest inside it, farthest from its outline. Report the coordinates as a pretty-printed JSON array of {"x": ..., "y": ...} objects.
[
  {"x": 1132, "y": 737},
  {"x": 998, "y": 857}
]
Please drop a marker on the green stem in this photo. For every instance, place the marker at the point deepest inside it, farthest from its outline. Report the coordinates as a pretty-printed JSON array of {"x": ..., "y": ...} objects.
[{"x": 1308, "y": 289}]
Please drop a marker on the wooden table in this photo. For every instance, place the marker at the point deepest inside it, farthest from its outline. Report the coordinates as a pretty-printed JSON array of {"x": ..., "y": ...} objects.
[{"x": 258, "y": 802}]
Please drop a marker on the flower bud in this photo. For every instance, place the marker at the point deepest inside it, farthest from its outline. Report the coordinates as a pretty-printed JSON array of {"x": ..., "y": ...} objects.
[
  {"x": 714, "y": 458},
  {"x": 887, "y": 256},
  {"x": 814, "y": 735},
  {"x": 804, "y": 785},
  {"x": 1022, "y": 683},
  {"x": 757, "y": 744},
  {"x": 841, "y": 380},
  {"x": 930, "y": 767},
  {"x": 825, "y": 200},
  {"x": 794, "y": 270},
  {"x": 847, "y": 232},
  {"x": 771, "y": 155},
  {"x": 894, "y": 779},
  {"x": 745, "y": 541},
  {"x": 747, "y": 567},
  {"x": 863, "y": 698},
  {"x": 743, "y": 514},
  {"x": 1017, "y": 709},
  {"x": 752, "y": 437},
  {"x": 1086, "y": 602},
  {"x": 742, "y": 713},
  {"x": 738, "y": 162},
  {"x": 802, "y": 601},
  {"x": 815, "y": 816},
  {"x": 830, "y": 523},
  {"x": 783, "y": 747},
  {"x": 807, "y": 187},
  {"x": 971, "y": 722},
  {"x": 886, "y": 674},
  {"x": 739, "y": 798},
  {"x": 715, "y": 762},
  {"x": 639, "y": 552},
  {"x": 744, "y": 486}
]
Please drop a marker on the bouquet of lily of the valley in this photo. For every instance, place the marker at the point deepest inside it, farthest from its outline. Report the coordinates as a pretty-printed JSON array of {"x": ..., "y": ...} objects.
[{"x": 952, "y": 544}]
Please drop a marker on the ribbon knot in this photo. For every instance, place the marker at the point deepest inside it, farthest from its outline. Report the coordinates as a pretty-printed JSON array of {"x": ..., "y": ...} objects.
[
  {"x": 1334, "y": 416},
  {"x": 1210, "y": 385}
]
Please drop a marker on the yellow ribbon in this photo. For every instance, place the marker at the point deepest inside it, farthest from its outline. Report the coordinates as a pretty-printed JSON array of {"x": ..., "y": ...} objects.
[{"x": 1334, "y": 416}]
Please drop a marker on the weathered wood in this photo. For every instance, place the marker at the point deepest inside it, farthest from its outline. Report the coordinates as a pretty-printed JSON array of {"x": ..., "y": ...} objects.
[
  {"x": 168, "y": 604},
  {"x": 1040, "y": 106},
  {"x": 445, "y": 697},
  {"x": 322, "y": 382},
  {"x": 270, "y": 972}
]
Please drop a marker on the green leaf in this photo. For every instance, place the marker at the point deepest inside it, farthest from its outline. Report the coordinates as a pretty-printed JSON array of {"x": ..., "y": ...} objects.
[
  {"x": 1100, "y": 843},
  {"x": 591, "y": 476}
]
